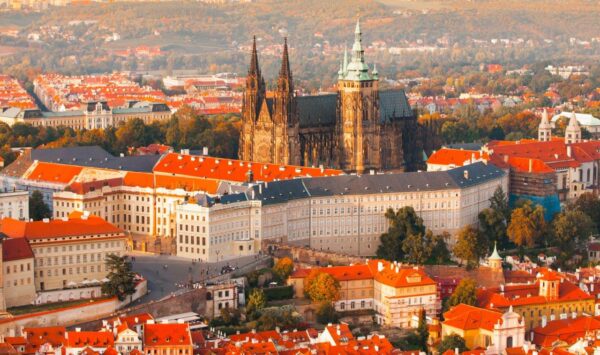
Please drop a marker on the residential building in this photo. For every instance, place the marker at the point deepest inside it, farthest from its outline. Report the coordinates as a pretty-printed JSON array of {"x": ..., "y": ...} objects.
[
  {"x": 84, "y": 342},
  {"x": 396, "y": 292},
  {"x": 487, "y": 329},
  {"x": 219, "y": 296},
  {"x": 14, "y": 204},
  {"x": 68, "y": 252},
  {"x": 127, "y": 339},
  {"x": 566, "y": 332},
  {"x": 18, "y": 272},
  {"x": 167, "y": 339}
]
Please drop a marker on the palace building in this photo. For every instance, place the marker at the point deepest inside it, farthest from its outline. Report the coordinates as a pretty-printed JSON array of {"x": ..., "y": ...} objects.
[{"x": 358, "y": 128}]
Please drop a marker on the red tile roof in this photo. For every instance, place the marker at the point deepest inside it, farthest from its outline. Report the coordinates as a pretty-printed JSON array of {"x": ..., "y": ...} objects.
[
  {"x": 467, "y": 317},
  {"x": 233, "y": 170},
  {"x": 55, "y": 173},
  {"x": 16, "y": 249},
  {"x": 81, "y": 339},
  {"x": 41, "y": 335},
  {"x": 455, "y": 157},
  {"x": 74, "y": 226},
  {"x": 167, "y": 335},
  {"x": 399, "y": 275},
  {"x": 567, "y": 330}
]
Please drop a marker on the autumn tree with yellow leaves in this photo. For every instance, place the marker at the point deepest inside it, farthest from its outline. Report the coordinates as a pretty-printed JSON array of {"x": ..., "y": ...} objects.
[{"x": 321, "y": 287}]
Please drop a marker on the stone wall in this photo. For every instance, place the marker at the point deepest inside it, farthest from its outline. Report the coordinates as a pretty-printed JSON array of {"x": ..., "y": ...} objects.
[
  {"x": 65, "y": 316},
  {"x": 304, "y": 256}
]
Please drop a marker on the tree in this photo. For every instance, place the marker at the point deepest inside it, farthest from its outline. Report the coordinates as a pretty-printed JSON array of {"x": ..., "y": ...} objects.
[
  {"x": 283, "y": 268},
  {"x": 321, "y": 287},
  {"x": 256, "y": 301},
  {"x": 589, "y": 203},
  {"x": 493, "y": 224},
  {"x": 527, "y": 225},
  {"x": 439, "y": 251},
  {"x": 422, "y": 330},
  {"x": 402, "y": 223},
  {"x": 326, "y": 313},
  {"x": 38, "y": 209},
  {"x": 471, "y": 246},
  {"x": 451, "y": 342},
  {"x": 465, "y": 292},
  {"x": 121, "y": 279},
  {"x": 418, "y": 247},
  {"x": 499, "y": 202},
  {"x": 572, "y": 228}
]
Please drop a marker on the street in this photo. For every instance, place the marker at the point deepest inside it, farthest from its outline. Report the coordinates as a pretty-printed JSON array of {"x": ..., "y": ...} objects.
[{"x": 166, "y": 273}]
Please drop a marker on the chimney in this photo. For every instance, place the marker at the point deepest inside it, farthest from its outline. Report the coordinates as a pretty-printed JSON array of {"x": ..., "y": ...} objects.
[
  {"x": 466, "y": 174},
  {"x": 204, "y": 150},
  {"x": 372, "y": 172},
  {"x": 77, "y": 330},
  {"x": 379, "y": 266},
  {"x": 530, "y": 165},
  {"x": 46, "y": 220}
]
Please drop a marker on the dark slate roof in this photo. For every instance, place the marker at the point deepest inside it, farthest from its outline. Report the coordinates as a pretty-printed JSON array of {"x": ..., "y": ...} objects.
[
  {"x": 281, "y": 191},
  {"x": 320, "y": 110},
  {"x": 393, "y": 105},
  {"x": 96, "y": 157},
  {"x": 317, "y": 110},
  {"x": 465, "y": 146}
]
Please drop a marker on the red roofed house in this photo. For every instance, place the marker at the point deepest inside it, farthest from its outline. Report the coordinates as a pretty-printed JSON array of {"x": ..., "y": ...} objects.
[
  {"x": 127, "y": 339},
  {"x": 492, "y": 330},
  {"x": 68, "y": 252},
  {"x": 396, "y": 292},
  {"x": 448, "y": 158},
  {"x": 566, "y": 332},
  {"x": 79, "y": 342},
  {"x": 549, "y": 298},
  {"x": 18, "y": 273},
  {"x": 167, "y": 339}
]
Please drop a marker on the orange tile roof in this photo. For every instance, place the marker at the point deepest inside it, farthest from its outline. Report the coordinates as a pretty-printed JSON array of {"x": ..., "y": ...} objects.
[
  {"x": 233, "y": 170},
  {"x": 467, "y": 317},
  {"x": 16, "y": 249},
  {"x": 400, "y": 275},
  {"x": 567, "y": 330},
  {"x": 455, "y": 157},
  {"x": 145, "y": 180},
  {"x": 167, "y": 335},
  {"x": 81, "y": 339},
  {"x": 74, "y": 226},
  {"x": 42, "y": 335},
  {"x": 340, "y": 333},
  {"x": 55, "y": 173}
]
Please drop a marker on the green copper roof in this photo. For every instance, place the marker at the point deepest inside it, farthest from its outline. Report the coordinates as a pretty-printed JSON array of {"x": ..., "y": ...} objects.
[{"x": 357, "y": 69}]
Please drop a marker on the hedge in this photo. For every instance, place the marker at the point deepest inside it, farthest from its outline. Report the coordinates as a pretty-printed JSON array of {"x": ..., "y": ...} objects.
[{"x": 279, "y": 293}]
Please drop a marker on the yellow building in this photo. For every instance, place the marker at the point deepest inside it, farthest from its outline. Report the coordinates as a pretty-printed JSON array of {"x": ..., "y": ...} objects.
[
  {"x": 396, "y": 292},
  {"x": 69, "y": 252},
  {"x": 550, "y": 297}
]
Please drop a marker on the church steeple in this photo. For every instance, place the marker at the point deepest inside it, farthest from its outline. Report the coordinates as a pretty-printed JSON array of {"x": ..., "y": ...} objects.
[
  {"x": 356, "y": 69},
  {"x": 254, "y": 68},
  {"x": 544, "y": 129},
  {"x": 285, "y": 83},
  {"x": 573, "y": 130}
]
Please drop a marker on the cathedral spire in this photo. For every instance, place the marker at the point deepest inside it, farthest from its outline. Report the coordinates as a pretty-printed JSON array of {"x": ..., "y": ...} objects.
[
  {"x": 357, "y": 51},
  {"x": 254, "y": 68},
  {"x": 285, "y": 61},
  {"x": 345, "y": 68}
]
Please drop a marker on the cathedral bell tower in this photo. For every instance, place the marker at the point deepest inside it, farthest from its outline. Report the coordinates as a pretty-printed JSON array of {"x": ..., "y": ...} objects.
[
  {"x": 286, "y": 124},
  {"x": 254, "y": 95},
  {"x": 357, "y": 126}
]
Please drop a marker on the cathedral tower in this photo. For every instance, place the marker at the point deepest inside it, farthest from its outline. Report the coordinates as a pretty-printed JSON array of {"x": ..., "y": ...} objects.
[
  {"x": 254, "y": 95},
  {"x": 357, "y": 126},
  {"x": 285, "y": 118}
]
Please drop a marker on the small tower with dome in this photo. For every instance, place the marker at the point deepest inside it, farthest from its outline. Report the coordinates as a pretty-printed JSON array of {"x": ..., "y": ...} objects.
[{"x": 494, "y": 260}]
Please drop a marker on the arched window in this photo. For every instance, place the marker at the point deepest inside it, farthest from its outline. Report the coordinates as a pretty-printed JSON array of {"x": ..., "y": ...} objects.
[{"x": 509, "y": 342}]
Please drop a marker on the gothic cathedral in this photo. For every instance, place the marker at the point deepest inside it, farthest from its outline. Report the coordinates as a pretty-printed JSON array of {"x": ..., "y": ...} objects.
[{"x": 358, "y": 128}]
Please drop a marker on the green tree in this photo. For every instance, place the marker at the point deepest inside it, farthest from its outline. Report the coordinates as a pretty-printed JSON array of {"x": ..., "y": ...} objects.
[
  {"x": 402, "y": 223},
  {"x": 38, "y": 209},
  {"x": 256, "y": 302},
  {"x": 439, "y": 251},
  {"x": 465, "y": 292},
  {"x": 527, "y": 224},
  {"x": 471, "y": 246},
  {"x": 321, "y": 287},
  {"x": 283, "y": 268},
  {"x": 326, "y": 313},
  {"x": 499, "y": 202},
  {"x": 121, "y": 278},
  {"x": 493, "y": 224},
  {"x": 417, "y": 248},
  {"x": 451, "y": 342},
  {"x": 573, "y": 228},
  {"x": 589, "y": 203},
  {"x": 423, "y": 330}
]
